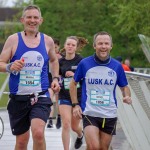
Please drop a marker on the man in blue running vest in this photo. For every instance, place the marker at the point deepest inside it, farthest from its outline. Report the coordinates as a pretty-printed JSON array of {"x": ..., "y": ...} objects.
[{"x": 25, "y": 56}]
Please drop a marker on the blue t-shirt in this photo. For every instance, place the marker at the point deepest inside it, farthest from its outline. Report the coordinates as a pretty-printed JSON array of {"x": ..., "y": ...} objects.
[{"x": 99, "y": 83}]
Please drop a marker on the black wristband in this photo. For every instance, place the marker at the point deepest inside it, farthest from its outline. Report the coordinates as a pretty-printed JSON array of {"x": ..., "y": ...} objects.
[
  {"x": 74, "y": 104},
  {"x": 56, "y": 78}
]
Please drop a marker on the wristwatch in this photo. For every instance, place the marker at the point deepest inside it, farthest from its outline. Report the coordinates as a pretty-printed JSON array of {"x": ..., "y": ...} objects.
[
  {"x": 56, "y": 78},
  {"x": 74, "y": 104}
]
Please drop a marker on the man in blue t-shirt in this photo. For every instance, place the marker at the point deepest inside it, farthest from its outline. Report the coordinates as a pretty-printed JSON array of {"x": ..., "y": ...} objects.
[{"x": 99, "y": 75}]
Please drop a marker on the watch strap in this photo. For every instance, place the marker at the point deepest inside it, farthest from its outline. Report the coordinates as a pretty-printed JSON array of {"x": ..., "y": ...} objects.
[
  {"x": 74, "y": 104},
  {"x": 56, "y": 78}
]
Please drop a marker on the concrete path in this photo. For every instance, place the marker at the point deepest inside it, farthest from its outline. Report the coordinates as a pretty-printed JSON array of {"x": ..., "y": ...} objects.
[
  {"x": 53, "y": 138},
  {"x": 7, "y": 142}
]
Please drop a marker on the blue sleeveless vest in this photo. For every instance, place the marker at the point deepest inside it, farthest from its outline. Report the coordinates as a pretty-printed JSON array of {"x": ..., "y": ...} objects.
[{"x": 34, "y": 75}]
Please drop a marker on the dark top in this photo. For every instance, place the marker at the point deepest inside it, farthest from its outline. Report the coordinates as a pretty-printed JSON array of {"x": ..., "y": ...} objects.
[
  {"x": 131, "y": 68},
  {"x": 64, "y": 66}
]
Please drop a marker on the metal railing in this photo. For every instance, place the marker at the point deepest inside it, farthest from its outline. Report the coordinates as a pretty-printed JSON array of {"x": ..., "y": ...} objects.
[
  {"x": 142, "y": 70},
  {"x": 135, "y": 119}
]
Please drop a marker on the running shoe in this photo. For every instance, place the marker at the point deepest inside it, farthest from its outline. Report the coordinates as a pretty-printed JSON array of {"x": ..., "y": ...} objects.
[
  {"x": 58, "y": 122},
  {"x": 50, "y": 124},
  {"x": 78, "y": 142}
]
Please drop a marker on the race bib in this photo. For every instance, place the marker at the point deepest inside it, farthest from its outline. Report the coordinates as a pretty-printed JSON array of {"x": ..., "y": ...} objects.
[
  {"x": 30, "y": 77},
  {"x": 100, "y": 98},
  {"x": 67, "y": 83}
]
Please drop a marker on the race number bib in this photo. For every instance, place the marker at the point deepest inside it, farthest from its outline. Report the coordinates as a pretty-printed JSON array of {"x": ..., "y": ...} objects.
[
  {"x": 30, "y": 77},
  {"x": 67, "y": 83},
  {"x": 100, "y": 98}
]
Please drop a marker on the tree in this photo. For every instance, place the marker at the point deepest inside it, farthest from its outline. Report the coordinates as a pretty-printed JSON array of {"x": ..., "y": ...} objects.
[
  {"x": 132, "y": 18},
  {"x": 21, "y": 3},
  {"x": 123, "y": 19}
]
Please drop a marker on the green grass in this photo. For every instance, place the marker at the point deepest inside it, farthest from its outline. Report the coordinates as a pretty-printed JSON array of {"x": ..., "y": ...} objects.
[
  {"x": 2, "y": 78},
  {"x": 4, "y": 98}
]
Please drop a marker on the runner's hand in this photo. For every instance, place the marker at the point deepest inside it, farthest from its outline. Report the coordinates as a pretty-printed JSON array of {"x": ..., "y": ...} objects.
[
  {"x": 69, "y": 74},
  {"x": 55, "y": 86},
  {"x": 127, "y": 99},
  {"x": 17, "y": 65},
  {"x": 77, "y": 112}
]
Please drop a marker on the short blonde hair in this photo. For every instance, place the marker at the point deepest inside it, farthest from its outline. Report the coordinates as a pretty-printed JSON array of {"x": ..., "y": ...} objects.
[{"x": 29, "y": 8}]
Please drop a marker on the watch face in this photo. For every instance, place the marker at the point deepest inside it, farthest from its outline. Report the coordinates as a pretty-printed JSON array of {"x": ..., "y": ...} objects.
[{"x": 74, "y": 104}]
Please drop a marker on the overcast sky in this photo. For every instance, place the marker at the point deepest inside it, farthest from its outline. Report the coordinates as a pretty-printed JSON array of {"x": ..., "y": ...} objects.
[{"x": 9, "y": 3}]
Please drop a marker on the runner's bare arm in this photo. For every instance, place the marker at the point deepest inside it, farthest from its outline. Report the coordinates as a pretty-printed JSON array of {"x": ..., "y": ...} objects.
[
  {"x": 73, "y": 91},
  {"x": 54, "y": 65},
  {"x": 126, "y": 94},
  {"x": 7, "y": 53},
  {"x": 77, "y": 112}
]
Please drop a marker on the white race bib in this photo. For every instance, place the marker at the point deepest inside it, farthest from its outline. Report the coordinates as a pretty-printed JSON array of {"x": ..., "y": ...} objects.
[
  {"x": 30, "y": 77},
  {"x": 67, "y": 83},
  {"x": 100, "y": 98}
]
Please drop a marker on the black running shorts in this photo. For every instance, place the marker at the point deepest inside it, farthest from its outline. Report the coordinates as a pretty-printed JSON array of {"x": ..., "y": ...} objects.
[
  {"x": 107, "y": 125},
  {"x": 22, "y": 112}
]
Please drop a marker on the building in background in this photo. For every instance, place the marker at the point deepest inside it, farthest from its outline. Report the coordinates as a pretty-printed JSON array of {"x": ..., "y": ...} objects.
[{"x": 7, "y": 23}]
